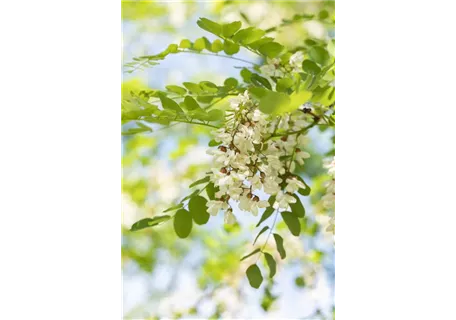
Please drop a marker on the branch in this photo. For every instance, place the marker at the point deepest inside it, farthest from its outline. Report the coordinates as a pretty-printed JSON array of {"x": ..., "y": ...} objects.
[{"x": 218, "y": 55}]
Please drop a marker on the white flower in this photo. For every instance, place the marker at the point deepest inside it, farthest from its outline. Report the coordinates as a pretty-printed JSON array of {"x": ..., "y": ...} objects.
[
  {"x": 260, "y": 204},
  {"x": 259, "y": 117},
  {"x": 243, "y": 143},
  {"x": 255, "y": 182},
  {"x": 271, "y": 185},
  {"x": 329, "y": 200},
  {"x": 299, "y": 124},
  {"x": 240, "y": 99},
  {"x": 296, "y": 61},
  {"x": 229, "y": 217},
  {"x": 300, "y": 156},
  {"x": 331, "y": 186},
  {"x": 223, "y": 158},
  {"x": 274, "y": 163},
  {"x": 272, "y": 68},
  {"x": 222, "y": 136},
  {"x": 244, "y": 203},
  {"x": 216, "y": 175},
  {"x": 251, "y": 205},
  {"x": 283, "y": 200},
  {"x": 332, "y": 225},
  {"x": 331, "y": 166},
  {"x": 294, "y": 185},
  {"x": 235, "y": 193},
  {"x": 284, "y": 122},
  {"x": 214, "y": 206}
]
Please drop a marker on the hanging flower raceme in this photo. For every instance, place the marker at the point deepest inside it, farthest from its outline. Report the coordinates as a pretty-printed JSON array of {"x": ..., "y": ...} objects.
[
  {"x": 249, "y": 161},
  {"x": 329, "y": 199}
]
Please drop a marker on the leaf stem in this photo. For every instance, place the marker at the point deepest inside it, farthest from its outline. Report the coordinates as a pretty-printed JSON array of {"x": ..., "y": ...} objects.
[
  {"x": 269, "y": 234},
  {"x": 200, "y": 123},
  {"x": 218, "y": 55}
]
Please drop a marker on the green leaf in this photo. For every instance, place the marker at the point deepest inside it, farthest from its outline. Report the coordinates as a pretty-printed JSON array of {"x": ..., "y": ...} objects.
[
  {"x": 319, "y": 55},
  {"x": 199, "y": 114},
  {"x": 200, "y": 181},
  {"x": 310, "y": 67},
  {"x": 271, "y": 49},
  {"x": 230, "y": 48},
  {"x": 210, "y": 190},
  {"x": 185, "y": 44},
  {"x": 323, "y": 15},
  {"x": 182, "y": 223},
  {"x": 231, "y": 28},
  {"x": 248, "y": 35},
  {"x": 246, "y": 74},
  {"x": 297, "y": 99},
  {"x": 283, "y": 84},
  {"x": 211, "y": 26},
  {"x": 214, "y": 143},
  {"x": 216, "y": 115},
  {"x": 254, "y": 276},
  {"x": 258, "y": 92},
  {"x": 177, "y": 206},
  {"x": 176, "y": 89},
  {"x": 325, "y": 96},
  {"x": 199, "y": 44},
  {"x": 193, "y": 87},
  {"x": 256, "y": 44},
  {"x": 271, "y": 201},
  {"x": 207, "y": 44},
  {"x": 271, "y": 264},
  {"x": 198, "y": 210},
  {"x": 332, "y": 47},
  {"x": 292, "y": 222},
  {"x": 251, "y": 254},
  {"x": 169, "y": 103},
  {"x": 231, "y": 83},
  {"x": 208, "y": 86},
  {"x": 259, "y": 234},
  {"x": 266, "y": 214},
  {"x": 217, "y": 46},
  {"x": 172, "y": 48},
  {"x": 279, "y": 243},
  {"x": 297, "y": 208},
  {"x": 204, "y": 99},
  {"x": 259, "y": 80},
  {"x": 148, "y": 222},
  {"x": 306, "y": 191},
  {"x": 191, "y": 103},
  {"x": 274, "y": 102}
]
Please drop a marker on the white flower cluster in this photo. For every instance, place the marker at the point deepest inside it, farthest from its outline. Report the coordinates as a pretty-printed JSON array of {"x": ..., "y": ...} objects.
[
  {"x": 329, "y": 199},
  {"x": 250, "y": 159},
  {"x": 275, "y": 67}
]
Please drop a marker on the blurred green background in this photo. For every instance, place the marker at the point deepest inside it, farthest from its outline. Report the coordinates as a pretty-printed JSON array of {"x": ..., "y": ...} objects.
[{"x": 201, "y": 276}]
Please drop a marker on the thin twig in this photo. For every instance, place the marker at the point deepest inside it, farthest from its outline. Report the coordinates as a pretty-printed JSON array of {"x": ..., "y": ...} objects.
[{"x": 218, "y": 55}]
